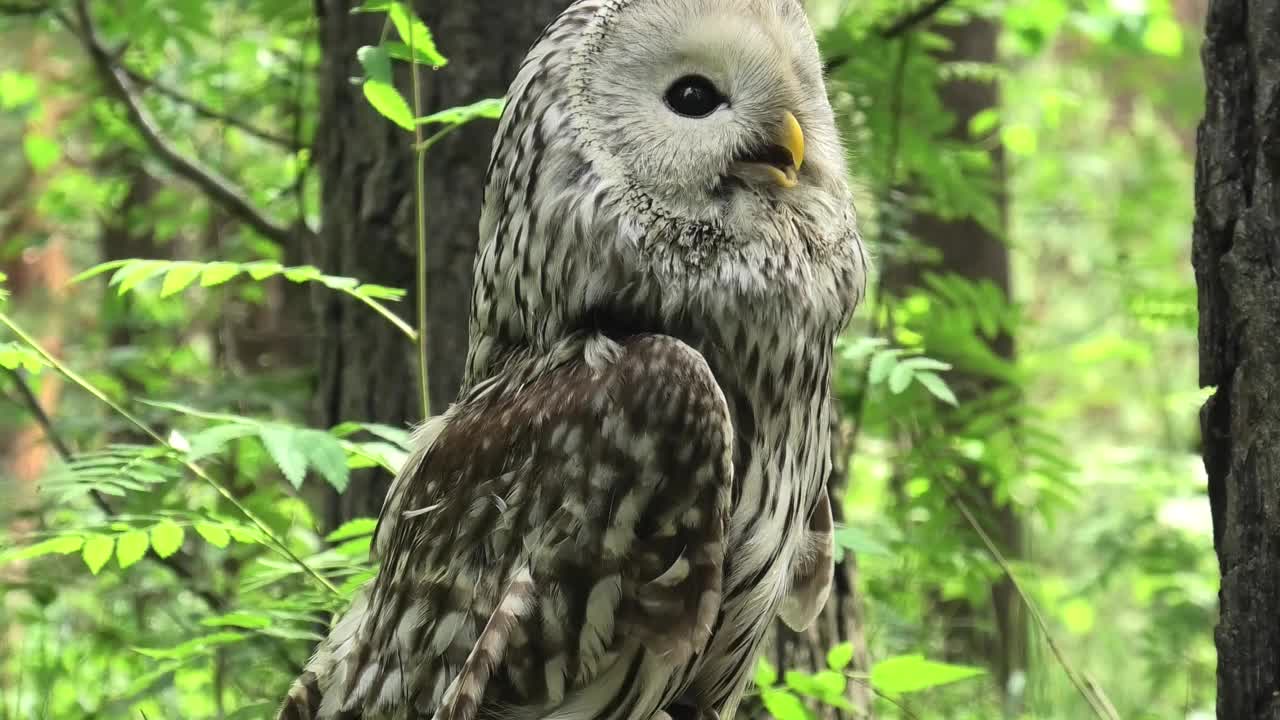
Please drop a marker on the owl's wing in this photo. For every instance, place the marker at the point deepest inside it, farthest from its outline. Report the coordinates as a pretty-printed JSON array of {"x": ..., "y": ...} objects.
[
  {"x": 572, "y": 503},
  {"x": 812, "y": 574}
]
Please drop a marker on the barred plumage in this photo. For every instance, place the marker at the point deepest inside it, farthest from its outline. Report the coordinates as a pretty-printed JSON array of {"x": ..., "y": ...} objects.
[{"x": 631, "y": 481}]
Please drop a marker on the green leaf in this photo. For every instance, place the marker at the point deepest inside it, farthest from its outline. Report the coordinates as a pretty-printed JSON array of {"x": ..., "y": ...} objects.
[
  {"x": 839, "y": 657},
  {"x": 856, "y": 541},
  {"x": 784, "y": 706},
  {"x": 64, "y": 545},
  {"x": 213, "y": 534},
  {"x": 216, "y": 273},
  {"x": 829, "y": 683},
  {"x": 281, "y": 443},
  {"x": 263, "y": 269},
  {"x": 136, "y": 272},
  {"x": 41, "y": 152},
  {"x": 937, "y": 387},
  {"x": 900, "y": 378},
  {"x": 242, "y": 619},
  {"x": 131, "y": 547},
  {"x": 166, "y": 538},
  {"x": 378, "y": 88},
  {"x": 97, "y": 551},
  {"x": 353, "y": 528},
  {"x": 489, "y": 109},
  {"x": 17, "y": 89},
  {"x": 1163, "y": 36},
  {"x": 984, "y": 122},
  {"x": 913, "y": 673},
  {"x": 766, "y": 674},
  {"x": 193, "y": 647},
  {"x": 882, "y": 363},
  {"x": 416, "y": 35},
  {"x": 324, "y": 453},
  {"x": 214, "y": 439},
  {"x": 1020, "y": 138},
  {"x": 179, "y": 277}
]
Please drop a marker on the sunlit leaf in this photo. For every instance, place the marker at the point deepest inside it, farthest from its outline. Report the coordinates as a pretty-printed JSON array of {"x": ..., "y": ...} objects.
[
  {"x": 839, "y": 657},
  {"x": 97, "y": 551},
  {"x": 913, "y": 673},
  {"x": 766, "y": 675},
  {"x": 379, "y": 89},
  {"x": 282, "y": 444},
  {"x": 132, "y": 547},
  {"x": 214, "y": 534},
  {"x": 352, "y": 528},
  {"x": 415, "y": 35},
  {"x": 166, "y": 538}
]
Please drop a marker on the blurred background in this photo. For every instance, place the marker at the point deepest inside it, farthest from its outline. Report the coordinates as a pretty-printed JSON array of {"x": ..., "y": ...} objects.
[{"x": 208, "y": 214}]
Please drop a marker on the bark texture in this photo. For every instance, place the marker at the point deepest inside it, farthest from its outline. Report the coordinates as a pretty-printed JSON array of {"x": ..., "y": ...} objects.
[
  {"x": 367, "y": 368},
  {"x": 1236, "y": 253},
  {"x": 966, "y": 248}
]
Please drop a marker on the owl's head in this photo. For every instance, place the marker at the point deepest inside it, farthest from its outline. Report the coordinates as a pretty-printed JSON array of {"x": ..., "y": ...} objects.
[
  {"x": 714, "y": 109},
  {"x": 672, "y": 154}
]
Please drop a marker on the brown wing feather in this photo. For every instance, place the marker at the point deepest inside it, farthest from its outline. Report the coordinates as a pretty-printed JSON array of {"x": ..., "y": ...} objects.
[{"x": 595, "y": 481}]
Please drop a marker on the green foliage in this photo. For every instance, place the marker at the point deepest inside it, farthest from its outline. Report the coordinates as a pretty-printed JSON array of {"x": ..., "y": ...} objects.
[{"x": 148, "y": 571}]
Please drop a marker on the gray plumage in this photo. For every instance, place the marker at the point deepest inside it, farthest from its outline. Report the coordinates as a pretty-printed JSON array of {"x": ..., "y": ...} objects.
[{"x": 631, "y": 485}]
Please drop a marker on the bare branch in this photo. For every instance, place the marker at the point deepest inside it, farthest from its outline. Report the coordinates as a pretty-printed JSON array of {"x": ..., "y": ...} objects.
[
  {"x": 209, "y": 113},
  {"x": 914, "y": 18},
  {"x": 220, "y": 190}
]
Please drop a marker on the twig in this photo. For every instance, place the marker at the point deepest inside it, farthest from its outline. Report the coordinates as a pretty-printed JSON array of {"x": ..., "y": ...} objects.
[
  {"x": 209, "y": 113},
  {"x": 912, "y": 19},
  {"x": 219, "y": 189},
  {"x": 1091, "y": 692},
  {"x": 420, "y": 203}
]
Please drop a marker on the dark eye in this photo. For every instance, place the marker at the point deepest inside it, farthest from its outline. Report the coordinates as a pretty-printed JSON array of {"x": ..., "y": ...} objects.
[{"x": 694, "y": 96}]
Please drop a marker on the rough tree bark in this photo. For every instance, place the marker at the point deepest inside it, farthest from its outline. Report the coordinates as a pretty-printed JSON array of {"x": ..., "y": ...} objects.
[
  {"x": 968, "y": 249},
  {"x": 367, "y": 368},
  {"x": 1236, "y": 252}
]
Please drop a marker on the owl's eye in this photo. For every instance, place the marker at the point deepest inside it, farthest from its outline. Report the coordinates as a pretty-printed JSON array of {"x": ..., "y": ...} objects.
[{"x": 694, "y": 96}]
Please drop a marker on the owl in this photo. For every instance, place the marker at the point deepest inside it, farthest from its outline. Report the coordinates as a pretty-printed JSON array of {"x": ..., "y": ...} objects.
[{"x": 630, "y": 486}]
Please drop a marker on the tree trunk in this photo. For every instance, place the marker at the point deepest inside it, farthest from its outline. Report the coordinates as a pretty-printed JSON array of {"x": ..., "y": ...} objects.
[
  {"x": 965, "y": 247},
  {"x": 367, "y": 368},
  {"x": 1236, "y": 246}
]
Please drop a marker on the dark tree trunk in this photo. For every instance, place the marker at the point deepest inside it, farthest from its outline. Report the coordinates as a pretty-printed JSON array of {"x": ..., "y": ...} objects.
[
  {"x": 367, "y": 368},
  {"x": 1237, "y": 263},
  {"x": 967, "y": 248}
]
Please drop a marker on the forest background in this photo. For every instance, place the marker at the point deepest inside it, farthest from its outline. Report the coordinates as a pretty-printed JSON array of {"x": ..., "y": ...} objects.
[{"x": 209, "y": 222}]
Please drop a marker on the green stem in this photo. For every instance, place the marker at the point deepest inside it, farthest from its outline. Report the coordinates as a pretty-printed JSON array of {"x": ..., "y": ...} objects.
[
  {"x": 146, "y": 429},
  {"x": 420, "y": 201}
]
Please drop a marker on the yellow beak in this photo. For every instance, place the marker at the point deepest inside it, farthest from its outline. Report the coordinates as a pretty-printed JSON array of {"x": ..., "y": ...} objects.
[{"x": 790, "y": 138}]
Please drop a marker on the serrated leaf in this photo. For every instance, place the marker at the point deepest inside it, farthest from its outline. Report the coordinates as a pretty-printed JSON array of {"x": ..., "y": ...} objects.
[
  {"x": 132, "y": 547},
  {"x": 216, "y": 273},
  {"x": 242, "y": 619},
  {"x": 214, "y": 534},
  {"x": 282, "y": 445},
  {"x": 839, "y": 657},
  {"x": 166, "y": 538},
  {"x": 353, "y": 528},
  {"x": 766, "y": 675},
  {"x": 937, "y": 387},
  {"x": 416, "y": 35},
  {"x": 913, "y": 673},
  {"x": 325, "y": 454},
  {"x": 178, "y": 277},
  {"x": 900, "y": 378},
  {"x": 214, "y": 439},
  {"x": 97, "y": 551},
  {"x": 135, "y": 273}
]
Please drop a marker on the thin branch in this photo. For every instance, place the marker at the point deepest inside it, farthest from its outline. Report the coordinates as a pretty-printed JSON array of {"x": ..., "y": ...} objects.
[
  {"x": 209, "y": 113},
  {"x": 898, "y": 27},
  {"x": 1090, "y": 691},
  {"x": 914, "y": 18},
  {"x": 217, "y": 188}
]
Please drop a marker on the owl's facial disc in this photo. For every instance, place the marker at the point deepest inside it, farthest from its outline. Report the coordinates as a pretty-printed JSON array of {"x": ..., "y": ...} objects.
[{"x": 779, "y": 160}]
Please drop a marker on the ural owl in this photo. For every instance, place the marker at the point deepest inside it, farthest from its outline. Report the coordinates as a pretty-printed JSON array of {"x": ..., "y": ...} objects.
[{"x": 631, "y": 484}]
